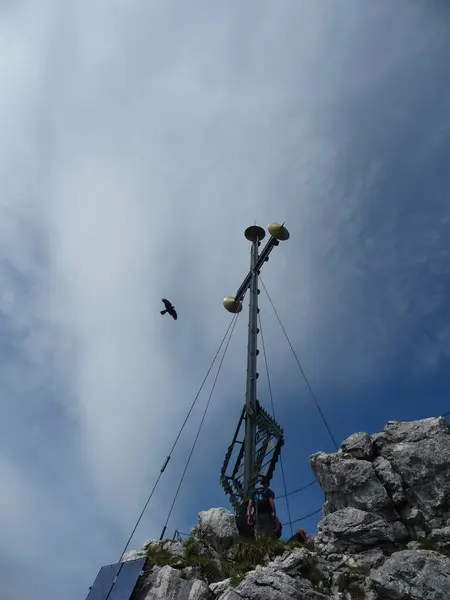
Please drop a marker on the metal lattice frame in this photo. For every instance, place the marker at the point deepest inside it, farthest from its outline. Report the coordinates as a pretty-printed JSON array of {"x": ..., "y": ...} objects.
[{"x": 269, "y": 441}]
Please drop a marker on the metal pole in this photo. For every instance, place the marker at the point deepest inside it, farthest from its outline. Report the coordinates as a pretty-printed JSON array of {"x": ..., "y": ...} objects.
[
  {"x": 253, "y": 234},
  {"x": 250, "y": 396}
]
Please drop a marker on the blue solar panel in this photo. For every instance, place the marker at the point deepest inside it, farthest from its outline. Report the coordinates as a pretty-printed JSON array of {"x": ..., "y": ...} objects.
[
  {"x": 127, "y": 574},
  {"x": 103, "y": 582},
  {"x": 126, "y": 582}
]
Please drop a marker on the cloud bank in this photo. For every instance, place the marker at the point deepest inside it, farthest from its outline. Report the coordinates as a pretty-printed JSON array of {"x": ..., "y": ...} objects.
[{"x": 138, "y": 140}]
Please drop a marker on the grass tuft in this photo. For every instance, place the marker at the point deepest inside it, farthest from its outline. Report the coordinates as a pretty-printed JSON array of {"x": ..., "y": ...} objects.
[
  {"x": 161, "y": 558},
  {"x": 244, "y": 556},
  {"x": 191, "y": 548},
  {"x": 247, "y": 553}
]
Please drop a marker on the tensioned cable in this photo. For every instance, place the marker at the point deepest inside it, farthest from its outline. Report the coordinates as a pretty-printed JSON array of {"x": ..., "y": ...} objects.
[
  {"x": 233, "y": 320},
  {"x": 181, "y": 533},
  {"x": 305, "y": 517},
  {"x": 200, "y": 427},
  {"x": 300, "y": 366},
  {"x": 304, "y": 487},
  {"x": 273, "y": 412}
]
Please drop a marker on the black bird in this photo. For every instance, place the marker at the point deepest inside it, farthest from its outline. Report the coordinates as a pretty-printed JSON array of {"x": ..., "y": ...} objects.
[{"x": 169, "y": 309}]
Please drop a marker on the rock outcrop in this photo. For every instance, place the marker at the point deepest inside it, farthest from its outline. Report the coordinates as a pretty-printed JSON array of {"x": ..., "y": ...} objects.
[
  {"x": 385, "y": 533},
  {"x": 413, "y": 574},
  {"x": 401, "y": 474},
  {"x": 216, "y": 530}
]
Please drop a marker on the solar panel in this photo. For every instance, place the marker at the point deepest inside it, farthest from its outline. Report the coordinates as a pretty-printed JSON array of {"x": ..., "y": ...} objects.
[
  {"x": 127, "y": 574},
  {"x": 103, "y": 582},
  {"x": 127, "y": 579}
]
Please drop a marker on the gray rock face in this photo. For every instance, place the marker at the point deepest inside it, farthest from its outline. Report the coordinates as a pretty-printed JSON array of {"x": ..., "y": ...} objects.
[
  {"x": 414, "y": 546},
  {"x": 414, "y": 431},
  {"x": 402, "y": 473},
  {"x": 390, "y": 479},
  {"x": 166, "y": 583},
  {"x": 216, "y": 528},
  {"x": 358, "y": 445},
  {"x": 133, "y": 555},
  {"x": 268, "y": 584},
  {"x": 424, "y": 467},
  {"x": 440, "y": 538},
  {"x": 282, "y": 579},
  {"x": 411, "y": 515},
  {"x": 384, "y": 493},
  {"x": 349, "y": 482},
  {"x": 173, "y": 548},
  {"x": 351, "y": 528},
  {"x": 364, "y": 561},
  {"x": 401, "y": 533},
  {"x": 413, "y": 575},
  {"x": 220, "y": 586}
]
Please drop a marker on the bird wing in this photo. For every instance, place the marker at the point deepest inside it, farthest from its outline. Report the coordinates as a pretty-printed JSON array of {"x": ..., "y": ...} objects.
[
  {"x": 167, "y": 304},
  {"x": 173, "y": 312}
]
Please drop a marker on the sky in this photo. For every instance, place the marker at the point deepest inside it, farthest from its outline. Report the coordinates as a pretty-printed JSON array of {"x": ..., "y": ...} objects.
[{"x": 138, "y": 140}]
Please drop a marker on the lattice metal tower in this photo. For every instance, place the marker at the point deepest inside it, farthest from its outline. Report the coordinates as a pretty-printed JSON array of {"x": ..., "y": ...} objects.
[{"x": 258, "y": 452}]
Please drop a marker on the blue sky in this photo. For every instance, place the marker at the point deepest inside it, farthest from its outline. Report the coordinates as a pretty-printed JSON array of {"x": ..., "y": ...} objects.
[{"x": 138, "y": 140}]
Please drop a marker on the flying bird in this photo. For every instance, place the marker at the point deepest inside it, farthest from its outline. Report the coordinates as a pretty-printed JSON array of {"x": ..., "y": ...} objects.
[{"x": 169, "y": 309}]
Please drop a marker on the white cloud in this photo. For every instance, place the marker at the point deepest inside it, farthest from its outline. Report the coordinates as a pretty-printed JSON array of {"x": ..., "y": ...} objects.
[{"x": 139, "y": 139}]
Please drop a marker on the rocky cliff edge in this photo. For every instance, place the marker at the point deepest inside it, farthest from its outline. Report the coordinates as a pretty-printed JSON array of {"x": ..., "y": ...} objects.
[{"x": 385, "y": 533}]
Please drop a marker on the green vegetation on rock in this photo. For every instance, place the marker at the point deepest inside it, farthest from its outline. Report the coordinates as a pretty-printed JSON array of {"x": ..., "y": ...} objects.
[
  {"x": 161, "y": 558},
  {"x": 244, "y": 555}
]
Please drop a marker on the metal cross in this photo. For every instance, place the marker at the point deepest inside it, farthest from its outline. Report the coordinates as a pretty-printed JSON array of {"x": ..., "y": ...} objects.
[{"x": 260, "y": 428}]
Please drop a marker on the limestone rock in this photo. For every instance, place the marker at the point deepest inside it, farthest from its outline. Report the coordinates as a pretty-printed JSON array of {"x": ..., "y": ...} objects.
[
  {"x": 403, "y": 473},
  {"x": 173, "y": 548},
  {"x": 133, "y": 555},
  {"x": 267, "y": 584},
  {"x": 364, "y": 561},
  {"x": 440, "y": 538},
  {"x": 383, "y": 492},
  {"x": 419, "y": 452},
  {"x": 216, "y": 528},
  {"x": 351, "y": 528},
  {"x": 411, "y": 515},
  {"x": 349, "y": 482},
  {"x": 285, "y": 578},
  {"x": 166, "y": 583},
  {"x": 414, "y": 431},
  {"x": 414, "y": 545},
  {"x": 390, "y": 479},
  {"x": 293, "y": 563},
  {"x": 413, "y": 520},
  {"x": 413, "y": 575},
  {"x": 358, "y": 445},
  {"x": 401, "y": 533},
  {"x": 191, "y": 573},
  {"x": 438, "y": 522},
  {"x": 340, "y": 581},
  {"x": 220, "y": 586}
]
